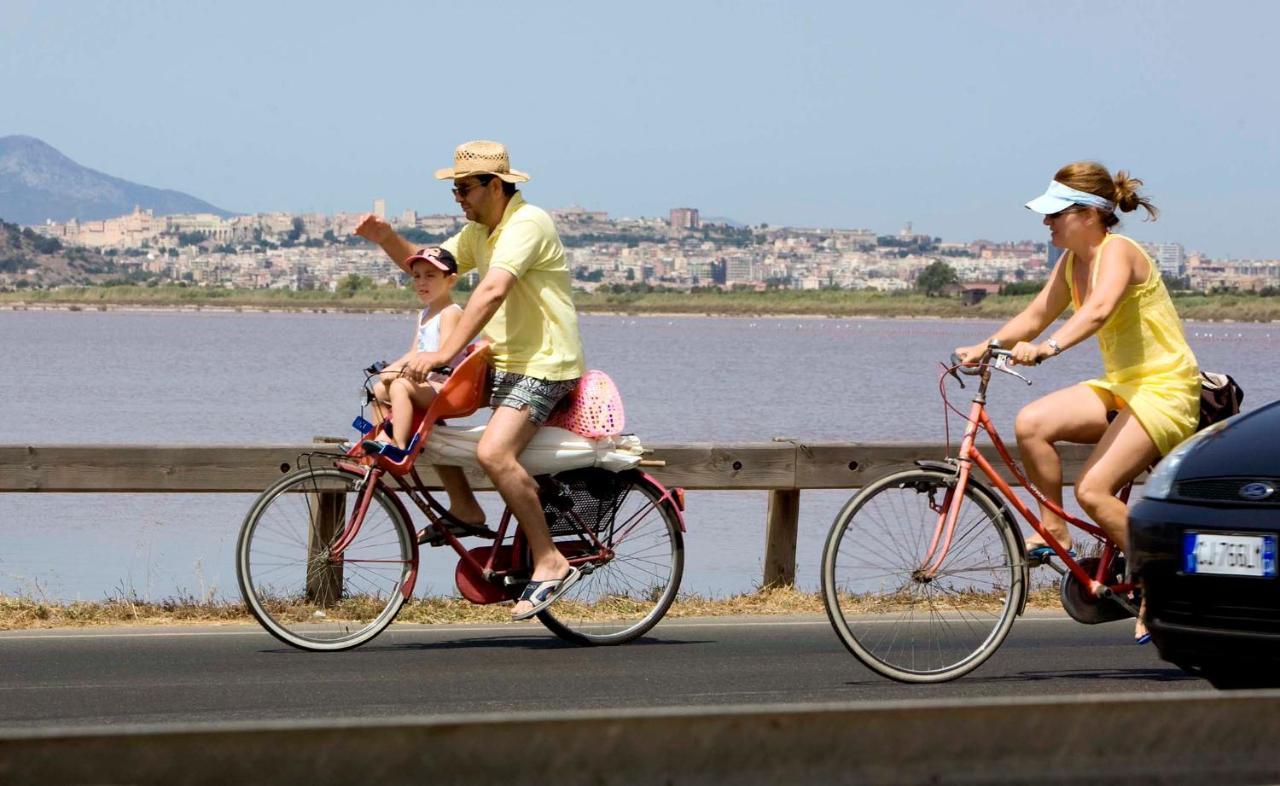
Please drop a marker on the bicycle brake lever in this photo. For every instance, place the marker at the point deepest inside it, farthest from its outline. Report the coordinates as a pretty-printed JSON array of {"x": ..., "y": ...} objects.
[
  {"x": 952, "y": 370},
  {"x": 1002, "y": 364}
]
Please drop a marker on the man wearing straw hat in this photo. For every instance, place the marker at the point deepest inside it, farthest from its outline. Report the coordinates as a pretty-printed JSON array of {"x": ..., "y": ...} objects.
[{"x": 524, "y": 305}]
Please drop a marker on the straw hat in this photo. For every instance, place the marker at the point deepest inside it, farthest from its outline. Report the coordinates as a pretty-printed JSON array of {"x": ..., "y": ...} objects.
[{"x": 482, "y": 157}]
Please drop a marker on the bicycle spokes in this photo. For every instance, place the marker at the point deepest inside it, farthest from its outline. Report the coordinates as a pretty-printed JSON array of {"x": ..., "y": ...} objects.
[{"x": 914, "y": 603}]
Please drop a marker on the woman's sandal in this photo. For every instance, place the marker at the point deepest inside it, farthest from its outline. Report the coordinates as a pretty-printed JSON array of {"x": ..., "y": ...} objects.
[
  {"x": 1041, "y": 553},
  {"x": 1140, "y": 633},
  {"x": 1141, "y": 638},
  {"x": 543, "y": 593}
]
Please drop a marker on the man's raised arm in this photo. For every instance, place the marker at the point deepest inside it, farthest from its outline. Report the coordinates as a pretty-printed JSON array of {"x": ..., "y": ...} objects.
[{"x": 376, "y": 230}]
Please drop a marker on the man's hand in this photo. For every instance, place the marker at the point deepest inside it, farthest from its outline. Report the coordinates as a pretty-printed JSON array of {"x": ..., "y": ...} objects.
[
  {"x": 421, "y": 364},
  {"x": 374, "y": 229}
]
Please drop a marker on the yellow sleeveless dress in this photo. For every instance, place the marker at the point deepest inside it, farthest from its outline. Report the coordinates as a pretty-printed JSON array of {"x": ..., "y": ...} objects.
[{"x": 1149, "y": 366}]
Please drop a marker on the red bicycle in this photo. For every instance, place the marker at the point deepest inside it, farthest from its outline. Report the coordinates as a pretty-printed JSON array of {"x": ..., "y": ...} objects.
[
  {"x": 925, "y": 570},
  {"x": 328, "y": 555}
]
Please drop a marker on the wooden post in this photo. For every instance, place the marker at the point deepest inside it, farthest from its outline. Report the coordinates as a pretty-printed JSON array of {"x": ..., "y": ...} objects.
[
  {"x": 324, "y": 580},
  {"x": 780, "y": 538}
]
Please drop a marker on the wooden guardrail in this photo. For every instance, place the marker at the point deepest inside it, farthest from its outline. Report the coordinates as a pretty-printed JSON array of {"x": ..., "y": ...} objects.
[{"x": 782, "y": 467}]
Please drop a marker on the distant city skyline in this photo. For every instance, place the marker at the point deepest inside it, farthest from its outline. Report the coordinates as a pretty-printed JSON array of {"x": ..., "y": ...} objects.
[{"x": 810, "y": 115}]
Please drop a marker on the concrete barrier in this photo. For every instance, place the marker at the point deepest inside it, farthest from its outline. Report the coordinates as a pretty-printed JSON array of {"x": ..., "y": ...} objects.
[{"x": 1175, "y": 739}]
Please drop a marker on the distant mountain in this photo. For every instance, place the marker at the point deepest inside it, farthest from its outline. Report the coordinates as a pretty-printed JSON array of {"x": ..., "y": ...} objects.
[
  {"x": 728, "y": 222},
  {"x": 38, "y": 183}
]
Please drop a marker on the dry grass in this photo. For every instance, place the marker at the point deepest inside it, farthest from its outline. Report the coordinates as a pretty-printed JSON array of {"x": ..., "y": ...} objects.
[{"x": 22, "y": 613}]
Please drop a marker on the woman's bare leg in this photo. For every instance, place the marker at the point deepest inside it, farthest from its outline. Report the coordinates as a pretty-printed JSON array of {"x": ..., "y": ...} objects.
[
  {"x": 1121, "y": 455},
  {"x": 1074, "y": 414}
]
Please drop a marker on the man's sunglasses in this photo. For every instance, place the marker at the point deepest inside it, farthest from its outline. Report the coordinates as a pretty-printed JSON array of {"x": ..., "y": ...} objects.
[{"x": 462, "y": 191}]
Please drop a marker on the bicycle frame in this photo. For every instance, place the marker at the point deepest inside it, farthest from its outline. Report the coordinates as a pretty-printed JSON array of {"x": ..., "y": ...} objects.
[
  {"x": 968, "y": 457},
  {"x": 374, "y": 476},
  {"x": 490, "y": 568}
]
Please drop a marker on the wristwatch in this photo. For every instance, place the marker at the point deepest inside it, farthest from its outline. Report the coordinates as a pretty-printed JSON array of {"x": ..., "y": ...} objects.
[{"x": 1055, "y": 346}]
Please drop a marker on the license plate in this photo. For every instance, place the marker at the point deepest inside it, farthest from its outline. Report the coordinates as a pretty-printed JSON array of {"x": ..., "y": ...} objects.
[{"x": 1229, "y": 554}]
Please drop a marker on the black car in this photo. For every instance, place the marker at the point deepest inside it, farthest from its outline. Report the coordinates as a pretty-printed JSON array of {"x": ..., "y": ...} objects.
[{"x": 1203, "y": 540}]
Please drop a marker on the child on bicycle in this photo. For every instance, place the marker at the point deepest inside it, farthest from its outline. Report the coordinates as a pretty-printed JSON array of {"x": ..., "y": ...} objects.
[
  {"x": 409, "y": 383},
  {"x": 402, "y": 387}
]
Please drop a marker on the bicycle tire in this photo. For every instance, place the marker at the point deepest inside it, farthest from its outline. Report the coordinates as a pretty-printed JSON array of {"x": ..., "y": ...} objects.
[
  {"x": 895, "y": 618},
  {"x": 621, "y": 598},
  {"x": 289, "y": 583}
]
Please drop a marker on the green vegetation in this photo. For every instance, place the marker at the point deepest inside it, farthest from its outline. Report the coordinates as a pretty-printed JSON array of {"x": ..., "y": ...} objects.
[
  {"x": 640, "y": 299},
  {"x": 356, "y": 293},
  {"x": 934, "y": 279},
  {"x": 352, "y": 295}
]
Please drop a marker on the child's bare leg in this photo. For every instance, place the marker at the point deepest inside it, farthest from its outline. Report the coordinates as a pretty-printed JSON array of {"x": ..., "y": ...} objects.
[
  {"x": 381, "y": 388},
  {"x": 462, "y": 500},
  {"x": 405, "y": 397}
]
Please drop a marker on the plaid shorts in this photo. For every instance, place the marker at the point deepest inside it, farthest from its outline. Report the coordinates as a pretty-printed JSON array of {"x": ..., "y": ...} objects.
[{"x": 509, "y": 389}]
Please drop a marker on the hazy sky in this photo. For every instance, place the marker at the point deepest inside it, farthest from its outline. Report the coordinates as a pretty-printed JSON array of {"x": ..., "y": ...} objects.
[{"x": 946, "y": 114}]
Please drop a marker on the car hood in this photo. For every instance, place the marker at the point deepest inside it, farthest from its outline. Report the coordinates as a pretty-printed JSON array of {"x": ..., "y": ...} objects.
[{"x": 1248, "y": 446}]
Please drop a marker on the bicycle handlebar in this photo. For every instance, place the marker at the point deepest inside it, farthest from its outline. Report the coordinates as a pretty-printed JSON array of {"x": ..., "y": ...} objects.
[
  {"x": 994, "y": 351},
  {"x": 378, "y": 369}
]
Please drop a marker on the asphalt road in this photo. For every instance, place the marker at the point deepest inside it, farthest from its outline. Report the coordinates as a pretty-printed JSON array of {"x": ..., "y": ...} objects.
[{"x": 92, "y": 677}]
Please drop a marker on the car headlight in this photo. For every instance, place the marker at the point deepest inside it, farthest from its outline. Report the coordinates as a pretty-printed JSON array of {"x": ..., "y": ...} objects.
[{"x": 1160, "y": 482}]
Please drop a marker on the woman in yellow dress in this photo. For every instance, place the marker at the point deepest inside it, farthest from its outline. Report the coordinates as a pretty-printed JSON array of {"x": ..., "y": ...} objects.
[{"x": 1151, "y": 378}]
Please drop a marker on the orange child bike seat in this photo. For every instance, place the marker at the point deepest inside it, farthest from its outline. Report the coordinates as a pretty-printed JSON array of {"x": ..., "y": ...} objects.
[
  {"x": 460, "y": 396},
  {"x": 463, "y": 393}
]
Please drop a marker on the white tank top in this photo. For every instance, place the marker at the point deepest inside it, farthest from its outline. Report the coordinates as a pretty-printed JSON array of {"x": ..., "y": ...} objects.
[
  {"x": 429, "y": 330},
  {"x": 429, "y": 336}
]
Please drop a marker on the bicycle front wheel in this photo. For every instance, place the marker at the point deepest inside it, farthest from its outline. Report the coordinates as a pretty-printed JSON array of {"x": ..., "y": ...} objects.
[
  {"x": 316, "y": 573},
  {"x": 631, "y": 577},
  {"x": 901, "y": 614}
]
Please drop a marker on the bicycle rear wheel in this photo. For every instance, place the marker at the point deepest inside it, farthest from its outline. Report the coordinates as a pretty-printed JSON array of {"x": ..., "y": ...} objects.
[
  {"x": 294, "y": 584},
  {"x": 631, "y": 579},
  {"x": 900, "y": 619}
]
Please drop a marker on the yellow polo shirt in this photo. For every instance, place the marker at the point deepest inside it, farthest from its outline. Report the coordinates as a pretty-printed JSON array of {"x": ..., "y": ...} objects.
[{"x": 535, "y": 330}]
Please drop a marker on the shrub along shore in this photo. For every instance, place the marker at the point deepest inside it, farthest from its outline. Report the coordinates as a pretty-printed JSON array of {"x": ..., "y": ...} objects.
[{"x": 1240, "y": 307}]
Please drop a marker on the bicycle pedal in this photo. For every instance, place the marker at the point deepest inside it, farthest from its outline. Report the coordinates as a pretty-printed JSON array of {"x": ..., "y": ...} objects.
[{"x": 428, "y": 536}]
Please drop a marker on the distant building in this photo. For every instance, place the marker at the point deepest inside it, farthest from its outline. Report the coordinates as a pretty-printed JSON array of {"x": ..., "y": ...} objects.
[
  {"x": 685, "y": 218},
  {"x": 739, "y": 270},
  {"x": 1170, "y": 258},
  {"x": 974, "y": 293},
  {"x": 575, "y": 214},
  {"x": 702, "y": 271},
  {"x": 380, "y": 208},
  {"x": 1052, "y": 253}
]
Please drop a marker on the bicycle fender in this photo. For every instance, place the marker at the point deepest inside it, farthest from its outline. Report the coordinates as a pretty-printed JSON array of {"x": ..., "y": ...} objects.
[
  {"x": 952, "y": 468},
  {"x": 409, "y": 583},
  {"x": 673, "y": 498}
]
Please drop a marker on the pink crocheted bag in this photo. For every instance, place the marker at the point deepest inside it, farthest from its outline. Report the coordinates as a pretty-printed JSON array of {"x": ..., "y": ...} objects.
[{"x": 594, "y": 409}]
